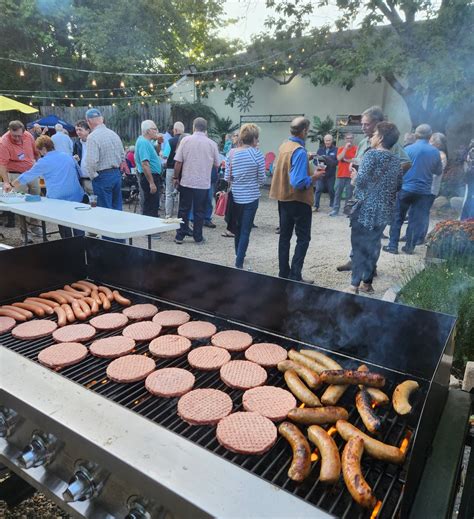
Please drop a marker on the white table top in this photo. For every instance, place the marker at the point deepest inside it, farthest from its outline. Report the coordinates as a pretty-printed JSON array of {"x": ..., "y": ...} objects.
[{"x": 98, "y": 220}]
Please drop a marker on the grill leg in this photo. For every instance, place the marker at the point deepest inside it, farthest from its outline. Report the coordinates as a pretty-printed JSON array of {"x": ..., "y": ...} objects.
[
  {"x": 130, "y": 241},
  {"x": 43, "y": 228},
  {"x": 149, "y": 241}
]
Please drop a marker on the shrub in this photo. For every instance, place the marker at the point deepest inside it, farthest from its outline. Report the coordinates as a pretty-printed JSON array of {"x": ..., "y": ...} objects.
[{"x": 452, "y": 239}]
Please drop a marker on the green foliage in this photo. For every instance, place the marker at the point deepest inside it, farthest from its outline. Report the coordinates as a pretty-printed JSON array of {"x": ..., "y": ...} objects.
[
  {"x": 321, "y": 128},
  {"x": 452, "y": 239},
  {"x": 187, "y": 112},
  {"x": 220, "y": 127},
  {"x": 447, "y": 288}
]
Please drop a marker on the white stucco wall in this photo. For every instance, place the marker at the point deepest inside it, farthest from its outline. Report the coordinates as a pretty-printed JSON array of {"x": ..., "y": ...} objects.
[{"x": 301, "y": 97}]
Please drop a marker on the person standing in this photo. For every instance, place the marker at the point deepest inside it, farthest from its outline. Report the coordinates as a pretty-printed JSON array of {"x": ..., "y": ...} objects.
[
  {"x": 149, "y": 169},
  {"x": 62, "y": 141},
  {"x": 345, "y": 155},
  {"x": 468, "y": 205},
  {"x": 105, "y": 153},
  {"x": 80, "y": 154},
  {"x": 17, "y": 155},
  {"x": 292, "y": 186},
  {"x": 415, "y": 195},
  {"x": 194, "y": 159},
  {"x": 169, "y": 152},
  {"x": 327, "y": 154},
  {"x": 377, "y": 182},
  {"x": 245, "y": 171}
]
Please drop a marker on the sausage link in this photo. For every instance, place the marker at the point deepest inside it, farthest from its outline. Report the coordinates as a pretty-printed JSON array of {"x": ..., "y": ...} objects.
[
  {"x": 55, "y": 297},
  {"x": 61, "y": 314},
  {"x": 301, "y": 463},
  {"x": 87, "y": 284},
  {"x": 32, "y": 307},
  {"x": 92, "y": 304},
  {"x": 401, "y": 396},
  {"x": 306, "y": 361},
  {"x": 352, "y": 472},
  {"x": 69, "y": 313},
  {"x": 302, "y": 393},
  {"x": 105, "y": 301},
  {"x": 74, "y": 292},
  {"x": 333, "y": 394},
  {"x": 120, "y": 299},
  {"x": 95, "y": 295},
  {"x": 76, "y": 308},
  {"x": 322, "y": 359},
  {"x": 364, "y": 405},
  {"x": 43, "y": 301},
  {"x": 22, "y": 311},
  {"x": 40, "y": 304},
  {"x": 85, "y": 307},
  {"x": 329, "y": 453},
  {"x": 81, "y": 288},
  {"x": 317, "y": 415},
  {"x": 70, "y": 296},
  {"x": 377, "y": 396},
  {"x": 350, "y": 376},
  {"x": 11, "y": 313},
  {"x": 309, "y": 376},
  {"x": 373, "y": 447},
  {"x": 107, "y": 292}
]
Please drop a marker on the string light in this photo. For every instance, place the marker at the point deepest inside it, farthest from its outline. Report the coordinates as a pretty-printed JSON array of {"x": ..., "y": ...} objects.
[
  {"x": 31, "y": 103},
  {"x": 81, "y": 95},
  {"x": 97, "y": 95},
  {"x": 122, "y": 84},
  {"x": 151, "y": 85},
  {"x": 22, "y": 73},
  {"x": 129, "y": 104},
  {"x": 246, "y": 73},
  {"x": 143, "y": 102},
  {"x": 52, "y": 104},
  {"x": 94, "y": 83},
  {"x": 289, "y": 56},
  {"x": 66, "y": 96},
  {"x": 59, "y": 79},
  {"x": 113, "y": 104},
  {"x": 234, "y": 76},
  {"x": 72, "y": 105},
  {"x": 302, "y": 50},
  {"x": 89, "y": 105},
  {"x": 263, "y": 67},
  {"x": 111, "y": 93}
]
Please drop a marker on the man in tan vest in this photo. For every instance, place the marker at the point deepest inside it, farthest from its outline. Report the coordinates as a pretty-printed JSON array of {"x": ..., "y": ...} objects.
[{"x": 292, "y": 186}]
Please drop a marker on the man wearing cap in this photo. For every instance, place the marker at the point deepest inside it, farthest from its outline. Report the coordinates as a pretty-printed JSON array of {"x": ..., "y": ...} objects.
[{"x": 105, "y": 153}]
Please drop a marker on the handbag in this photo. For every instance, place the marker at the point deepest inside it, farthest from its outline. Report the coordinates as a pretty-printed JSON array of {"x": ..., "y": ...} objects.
[
  {"x": 352, "y": 207},
  {"x": 221, "y": 204}
]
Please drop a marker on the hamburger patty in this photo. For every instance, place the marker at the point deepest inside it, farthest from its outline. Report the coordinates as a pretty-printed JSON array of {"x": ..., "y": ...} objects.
[
  {"x": 170, "y": 382},
  {"x": 272, "y": 402},
  {"x": 232, "y": 340},
  {"x": 62, "y": 354},
  {"x": 140, "y": 312},
  {"x": 243, "y": 374},
  {"x": 74, "y": 333},
  {"x": 169, "y": 346},
  {"x": 112, "y": 347},
  {"x": 34, "y": 329},
  {"x": 266, "y": 354},
  {"x": 197, "y": 330},
  {"x": 110, "y": 321},
  {"x": 208, "y": 358},
  {"x": 171, "y": 318},
  {"x": 130, "y": 368},
  {"x": 204, "y": 406}
]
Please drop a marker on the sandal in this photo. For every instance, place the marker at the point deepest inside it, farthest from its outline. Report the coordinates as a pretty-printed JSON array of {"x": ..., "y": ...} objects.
[{"x": 227, "y": 234}]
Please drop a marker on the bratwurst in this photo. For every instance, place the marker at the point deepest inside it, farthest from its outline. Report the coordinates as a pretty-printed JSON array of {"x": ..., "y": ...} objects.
[
  {"x": 330, "y": 460},
  {"x": 301, "y": 464},
  {"x": 317, "y": 415},
  {"x": 352, "y": 377}
]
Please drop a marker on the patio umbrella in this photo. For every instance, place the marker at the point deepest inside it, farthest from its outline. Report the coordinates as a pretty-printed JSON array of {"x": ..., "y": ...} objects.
[{"x": 7, "y": 104}]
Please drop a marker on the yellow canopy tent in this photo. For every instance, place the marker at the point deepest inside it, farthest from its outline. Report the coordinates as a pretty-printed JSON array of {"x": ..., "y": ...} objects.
[{"x": 7, "y": 104}]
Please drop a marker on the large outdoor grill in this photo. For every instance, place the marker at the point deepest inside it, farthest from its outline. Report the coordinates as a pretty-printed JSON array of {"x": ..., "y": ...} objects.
[{"x": 132, "y": 454}]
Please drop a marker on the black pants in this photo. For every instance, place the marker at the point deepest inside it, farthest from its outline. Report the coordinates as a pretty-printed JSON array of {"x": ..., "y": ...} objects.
[
  {"x": 67, "y": 232},
  {"x": 149, "y": 203},
  {"x": 293, "y": 216},
  {"x": 366, "y": 245},
  {"x": 197, "y": 199},
  {"x": 325, "y": 183}
]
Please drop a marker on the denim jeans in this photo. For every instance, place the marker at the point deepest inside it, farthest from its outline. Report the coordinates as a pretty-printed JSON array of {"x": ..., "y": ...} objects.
[
  {"x": 209, "y": 209},
  {"x": 196, "y": 199},
  {"x": 419, "y": 207},
  {"x": 170, "y": 195},
  {"x": 293, "y": 216},
  {"x": 107, "y": 187},
  {"x": 325, "y": 183},
  {"x": 366, "y": 245},
  {"x": 245, "y": 220},
  {"x": 341, "y": 184},
  {"x": 149, "y": 203}
]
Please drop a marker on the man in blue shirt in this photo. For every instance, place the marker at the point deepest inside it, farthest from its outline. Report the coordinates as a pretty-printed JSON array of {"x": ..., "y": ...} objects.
[
  {"x": 327, "y": 154},
  {"x": 62, "y": 142},
  {"x": 415, "y": 195},
  {"x": 149, "y": 169}
]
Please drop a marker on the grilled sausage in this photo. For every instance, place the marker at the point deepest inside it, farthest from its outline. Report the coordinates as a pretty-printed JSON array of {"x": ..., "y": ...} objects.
[
  {"x": 401, "y": 396},
  {"x": 22, "y": 311},
  {"x": 105, "y": 301},
  {"x": 317, "y": 415},
  {"x": 55, "y": 297},
  {"x": 45, "y": 307},
  {"x": 44, "y": 302},
  {"x": 307, "y": 375},
  {"x": 330, "y": 460},
  {"x": 74, "y": 292},
  {"x": 352, "y": 472},
  {"x": 62, "y": 320},
  {"x": 373, "y": 447},
  {"x": 350, "y": 376},
  {"x": 32, "y": 307},
  {"x": 120, "y": 299},
  {"x": 70, "y": 316},
  {"x": 364, "y": 405},
  {"x": 377, "y": 396},
  {"x": 107, "y": 292},
  {"x": 67, "y": 296},
  {"x": 81, "y": 288},
  {"x": 94, "y": 307},
  {"x": 302, "y": 393},
  {"x": 332, "y": 394},
  {"x": 78, "y": 312},
  {"x": 87, "y": 284},
  {"x": 11, "y": 313},
  {"x": 95, "y": 295},
  {"x": 301, "y": 464},
  {"x": 322, "y": 359},
  {"x": 85, "y": 307},
  {"x": 306, "y": 361}
]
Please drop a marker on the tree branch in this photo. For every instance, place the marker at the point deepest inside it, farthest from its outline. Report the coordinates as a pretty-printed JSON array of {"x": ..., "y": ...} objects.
[
  {"x": 390, "y": 12},
  {"x": 285, "y": 81},
  {"x": 396, "y": 85}
]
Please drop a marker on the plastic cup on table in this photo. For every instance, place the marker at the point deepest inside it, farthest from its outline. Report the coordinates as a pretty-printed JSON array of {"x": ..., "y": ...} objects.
[{"x": 93, "y": 200}]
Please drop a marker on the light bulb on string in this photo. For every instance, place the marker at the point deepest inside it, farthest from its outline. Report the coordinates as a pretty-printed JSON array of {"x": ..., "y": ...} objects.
[
  {"x": 143, "y": 102},
  {"x": 72, "y": 105},
  {"x": 59, "y": 79},
  {"x": 94, "y": 83},
  {"x": 234, "y": 76},
  {"x": 66, "y": 96},
  {"x": 217, "y": 80},
  {"x": 246, "y": 73},
  {"x": 263, "y": 67},
  {"x": 113, "y": 104},
  {"x": 129, "y": 104},
  {"x": 151, "y": 85},
  {"x": 289, "y": 56},
  {"x": 81, "y": 95},
  {"x": 22, "y": 72},
  {"x": 156, "y": 100},
  {"x": 302, "y": 50},
  {"x": 89, "y": 105},
  {"x": 122, "y": 84},
  {"x": 111, "y": 93},
  {"x": 31, "y": 103},
  {"x": 97, "y": 95},
  {"x": 52, "y": 104}
]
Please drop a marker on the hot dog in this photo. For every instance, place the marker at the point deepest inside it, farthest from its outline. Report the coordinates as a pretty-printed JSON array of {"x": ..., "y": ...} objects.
[
  {"x": 322, "y": 359},
  {"x": 70, "y": 297},
  {"x": 76, "y": 308},
  {"x": 81, "y": 288},
  {"x": 92, "y": 304},
  {"x": 62, "y": 320},
  {"x": 401, "y": 396},
  {"x": 364, "y": 405},
  {"x": 120, "y": 299},
  {"x": 22, "y": 311},
  {"x": 330, "y": 460},
  {"x": 332, "y": 394},
  {"x": 350, "y": 376},
  {"x": 54, "y": 296},
  {"x": 373, "y": 447},
  {"x": 301, "y": 464},
  {"x": 11, "y": 313},
  {"x": 85, "y": 307},
  {"x": 107, "y": 292},
  {"x": 95, "y": 295},
  {"x": 74, "y": 292},
  {"x": 105, "y": 301},
  {"x": 306, "y": 361},
  {"x": 43, "y": 301},
  {"x": 69, "y": 313},
  {"x": 352, "y": 472},
  {"x": 377, "y": 396},
  {"x": 317, "y": 415},
  {"x": 87, "y": 284},
  {"x": 32, "y": 307},
  {"x": 307, "y": 375},
  {"x": 302, "y": 393}
]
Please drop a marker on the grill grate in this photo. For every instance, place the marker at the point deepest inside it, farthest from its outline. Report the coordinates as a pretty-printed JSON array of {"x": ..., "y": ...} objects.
[{"x": 386, "y": 480}]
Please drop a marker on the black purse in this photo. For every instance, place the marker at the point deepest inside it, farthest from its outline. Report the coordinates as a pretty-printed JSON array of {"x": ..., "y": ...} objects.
[{"x": 352, "y": 208}]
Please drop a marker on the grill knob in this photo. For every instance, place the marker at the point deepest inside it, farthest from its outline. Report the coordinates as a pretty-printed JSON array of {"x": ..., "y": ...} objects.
[
  {"x": 137, "y": 508},
  {"x": 8, "y": 420},
  {"x": 86, "y": 483},
  {"x": 40, "y": 451}
]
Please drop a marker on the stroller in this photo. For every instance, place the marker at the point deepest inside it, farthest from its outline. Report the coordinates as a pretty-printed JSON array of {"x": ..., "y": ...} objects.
[{"x": 130, "y": 190}]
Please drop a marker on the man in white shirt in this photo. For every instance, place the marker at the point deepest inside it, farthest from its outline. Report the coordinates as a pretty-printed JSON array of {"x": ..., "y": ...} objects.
[
  {"x": 80, "y": 154},
  {"x": 62, "y": 142}
]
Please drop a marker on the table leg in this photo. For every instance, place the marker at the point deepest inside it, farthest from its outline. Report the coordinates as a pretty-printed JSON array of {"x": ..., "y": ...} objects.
[
  {"x": 43, "y": 228},
  {"x": 130, "y": 241},
  {"x": 149, "y": 241},
  {"x": 24, "y": 228}
]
